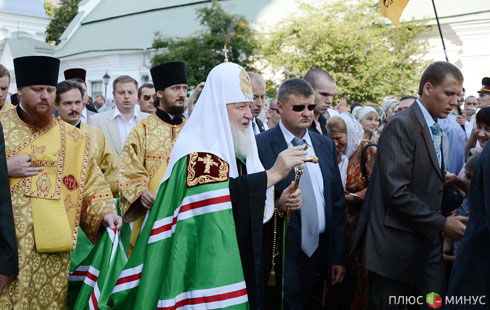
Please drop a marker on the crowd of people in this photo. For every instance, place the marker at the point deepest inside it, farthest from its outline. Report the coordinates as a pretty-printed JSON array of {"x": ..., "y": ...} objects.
[{"x": 235, "y": 199}]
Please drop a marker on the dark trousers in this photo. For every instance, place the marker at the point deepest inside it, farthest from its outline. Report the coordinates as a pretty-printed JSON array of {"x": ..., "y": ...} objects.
[
  {"x": 312, "y": 283},
  {"x": 432, "y": 280},
  {"x": 340, "y": 295}
]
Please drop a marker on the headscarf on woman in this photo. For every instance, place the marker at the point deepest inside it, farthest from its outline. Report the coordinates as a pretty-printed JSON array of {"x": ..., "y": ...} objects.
[
  {"x": 359, "y": 114},
  {"x": 354, "y": 138}
]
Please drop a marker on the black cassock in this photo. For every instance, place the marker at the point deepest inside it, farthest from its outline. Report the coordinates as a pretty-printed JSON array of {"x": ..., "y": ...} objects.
[
  {"x": 248, "y": 199},
  {"x": 8, "y": 244}
]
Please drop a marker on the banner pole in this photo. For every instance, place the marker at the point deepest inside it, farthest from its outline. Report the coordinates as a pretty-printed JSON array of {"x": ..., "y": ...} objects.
[{"x": 440, "y": 31}]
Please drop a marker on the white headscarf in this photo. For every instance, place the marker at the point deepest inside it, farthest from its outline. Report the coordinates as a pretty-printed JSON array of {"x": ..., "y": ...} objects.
[
  {"x": 332, "y": 113},
  {"x": 359, "y": 114},
  {"x": 208, "y": 129},
  {"x": 354, "y": 138}
]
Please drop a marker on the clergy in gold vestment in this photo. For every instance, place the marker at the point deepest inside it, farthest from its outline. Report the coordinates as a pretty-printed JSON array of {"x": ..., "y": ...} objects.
[
  {"x": 69, "y": 105},
  {"x": 6, "y": 106},
  {"x": 148, "y": 147},
  {"x": 55, "y": 186},
  {"x": 105, "y": 156}
]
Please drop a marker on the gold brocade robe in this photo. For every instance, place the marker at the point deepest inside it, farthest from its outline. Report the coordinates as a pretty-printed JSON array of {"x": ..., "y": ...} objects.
[
  {"x": 105, "y": 156},
  {"x": 144, "y": 159},
  {"x": 42, "y": 282},
  {"x": 6, "y": 106}
]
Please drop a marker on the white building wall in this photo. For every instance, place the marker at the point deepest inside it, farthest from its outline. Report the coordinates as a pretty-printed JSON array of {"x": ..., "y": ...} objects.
[
  {"x": 467, "y": 44},
  {"x": 14, "y": 26},
  {"x": 115, "y": 65}
]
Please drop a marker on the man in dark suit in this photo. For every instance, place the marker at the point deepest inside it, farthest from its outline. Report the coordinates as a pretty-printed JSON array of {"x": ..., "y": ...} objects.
[
  {"x": 258, "y": 90},
  {"x": 401, "y": 223},
  {"x": 8, "y": 245},
  {"x": 471, "y": 271},
  {"x": 316, "y": 235}
]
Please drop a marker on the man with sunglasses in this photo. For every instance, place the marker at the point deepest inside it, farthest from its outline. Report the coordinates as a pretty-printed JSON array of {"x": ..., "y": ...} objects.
[
  {"x": 148, "y": 147},
  {"x": 316, "y": 236},
  {"x": 325, "y": 88},
  {"x": 146, "y": 98}
]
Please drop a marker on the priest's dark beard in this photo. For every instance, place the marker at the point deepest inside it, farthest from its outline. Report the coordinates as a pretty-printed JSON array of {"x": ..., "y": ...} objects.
[
  {"x": 35, "y": 118},
  {"x": 176, "y": 110}
]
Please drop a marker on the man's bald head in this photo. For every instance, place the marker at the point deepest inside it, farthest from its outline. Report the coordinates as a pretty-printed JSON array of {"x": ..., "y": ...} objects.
[
  {"x": 314, "y": 75},
  {"x": 325, "y": 88},
  {"x": 258, "y": 89},
  {"x": 255, "y": 77}
]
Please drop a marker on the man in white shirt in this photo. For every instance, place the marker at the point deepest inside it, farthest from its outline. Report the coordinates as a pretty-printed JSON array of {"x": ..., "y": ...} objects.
[
  {"x": 117, "y": 123},
  {"x": 316, "y": 236}
]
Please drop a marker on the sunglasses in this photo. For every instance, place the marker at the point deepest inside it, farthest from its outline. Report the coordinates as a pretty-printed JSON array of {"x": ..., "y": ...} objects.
[
  {"x": 301, "y": 108},
  {"x": 148, "y": 97}
]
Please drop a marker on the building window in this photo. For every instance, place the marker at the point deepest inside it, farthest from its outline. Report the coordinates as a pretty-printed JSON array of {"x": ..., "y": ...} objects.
[{"x": 97, "y": 88}]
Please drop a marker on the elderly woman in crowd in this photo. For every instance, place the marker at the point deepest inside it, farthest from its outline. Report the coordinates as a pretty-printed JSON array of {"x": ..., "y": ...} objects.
[
  {"x": 347, "y": 134},
  {"x": 369, "y": 119},
  {"x": 388, "y": 108}
]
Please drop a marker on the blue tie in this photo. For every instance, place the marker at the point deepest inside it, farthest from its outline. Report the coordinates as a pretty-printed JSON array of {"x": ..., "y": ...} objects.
[
  {"x": 309, "y": 212},
  {"x": 436, "y": 140}
]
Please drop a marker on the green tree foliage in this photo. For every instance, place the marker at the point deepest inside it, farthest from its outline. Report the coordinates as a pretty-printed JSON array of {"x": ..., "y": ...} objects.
[
  {"x": 368, "y": 57},
  {"x": 203, "y": 51},
  {"x": 62, "y": 17},
  {"x": 49, "y": 8}
]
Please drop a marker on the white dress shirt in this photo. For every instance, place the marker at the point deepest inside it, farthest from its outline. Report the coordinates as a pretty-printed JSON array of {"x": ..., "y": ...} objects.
[
  {"x": 84, "y": 116},
  {"x": 315, "y": 175},
  {"x": 124, "y": 125}
]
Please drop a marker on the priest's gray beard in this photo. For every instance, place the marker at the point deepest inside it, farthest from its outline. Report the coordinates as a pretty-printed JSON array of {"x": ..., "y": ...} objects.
[{"x": 242, "y": 141}]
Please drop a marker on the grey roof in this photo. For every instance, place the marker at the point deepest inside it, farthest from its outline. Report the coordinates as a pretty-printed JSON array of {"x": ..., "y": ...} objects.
[
  {"x": 27, "y": 47},
  {"x": 33, "y": 8},
  {"x": 125, "y": 25}
]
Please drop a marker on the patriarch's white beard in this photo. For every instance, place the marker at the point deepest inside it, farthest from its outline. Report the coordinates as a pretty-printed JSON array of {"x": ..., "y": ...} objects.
[{"x": 242, "y": 141}]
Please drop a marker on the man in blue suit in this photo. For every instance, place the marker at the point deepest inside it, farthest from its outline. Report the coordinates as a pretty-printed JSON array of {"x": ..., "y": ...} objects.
[{"x": 316, "y": 235}]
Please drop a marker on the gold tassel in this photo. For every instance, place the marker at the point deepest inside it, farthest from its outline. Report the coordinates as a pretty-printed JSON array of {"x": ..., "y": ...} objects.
[{"x": 272, "y": 277}]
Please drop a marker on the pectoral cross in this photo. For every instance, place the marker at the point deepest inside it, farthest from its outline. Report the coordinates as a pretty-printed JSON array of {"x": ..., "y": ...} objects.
[
  {"x": 208, "y": 163},
  {"x": 225, "y": 51},
  {"x": 75, "y": 135}
]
